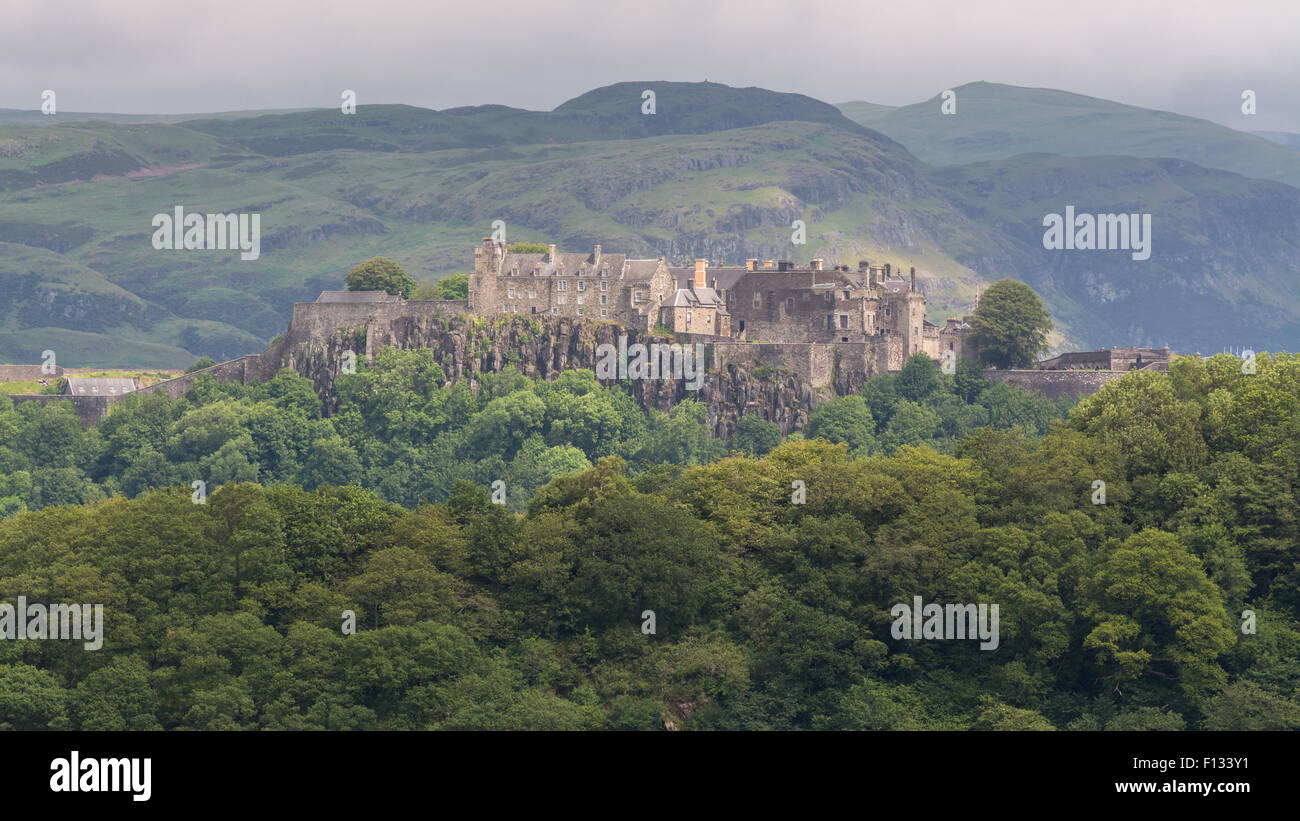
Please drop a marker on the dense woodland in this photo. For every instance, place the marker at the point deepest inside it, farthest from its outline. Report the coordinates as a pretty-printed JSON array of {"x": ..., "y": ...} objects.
[{"x": 770, "y": 614}]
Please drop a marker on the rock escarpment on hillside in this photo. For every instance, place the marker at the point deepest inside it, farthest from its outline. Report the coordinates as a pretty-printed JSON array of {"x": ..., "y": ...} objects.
[{"x": 468, "y": 346}]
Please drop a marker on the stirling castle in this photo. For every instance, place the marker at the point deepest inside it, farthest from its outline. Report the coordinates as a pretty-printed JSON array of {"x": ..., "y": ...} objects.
[{"x": 762, "y": 301}]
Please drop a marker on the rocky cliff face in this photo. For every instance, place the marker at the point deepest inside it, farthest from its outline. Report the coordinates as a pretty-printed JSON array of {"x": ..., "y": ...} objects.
[{"x": 544, "y": 347}]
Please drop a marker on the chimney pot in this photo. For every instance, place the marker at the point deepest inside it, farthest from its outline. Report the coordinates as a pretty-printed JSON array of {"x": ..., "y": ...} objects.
[{"x": 552, "y": 247}]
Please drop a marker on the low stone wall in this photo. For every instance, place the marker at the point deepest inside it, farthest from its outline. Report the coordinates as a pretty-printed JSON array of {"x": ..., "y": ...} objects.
[
  {"x": 1055, "y": 384},
  {"x": 24, "y": 373}
]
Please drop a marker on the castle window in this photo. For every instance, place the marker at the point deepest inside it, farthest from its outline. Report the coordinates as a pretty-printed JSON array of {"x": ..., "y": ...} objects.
[
  {"x": 844, "y": 320},
  {"x": 580, "y": 310},
  {"x": 604, "y": 300},
  {"x": 829, "y": 297},
  {"x": 846, "y": 294},
  {"x": 688, "y": 316},
  {"x": 564, "y": 286},
  {"x": 510, "y": 293},
  {"x": 789, "y": 305},
  {"x": 604, "y": 272},
  {"x": 580, "y": 298},
  {"x": 636, "y": 296},
  {"x": 886, "y": 310},
  {"x": 582, "y": 286},
  {"x": 758, "y": 300},
  {"x": 708, "y": 319},
  {"x": 555, "y": 310},
  {"x": 514, "y": 272},
  {"x": 532, "y": 294},
  {"x": 562, "y": 298},
  {"x": 604, "y": 312},
  {"x": 604, "y": 286}
]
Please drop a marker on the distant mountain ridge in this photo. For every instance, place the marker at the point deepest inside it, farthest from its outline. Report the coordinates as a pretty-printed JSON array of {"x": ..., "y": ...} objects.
[
  {"x": 994, "y": 122},
  {"x": 715, "y": 172}
]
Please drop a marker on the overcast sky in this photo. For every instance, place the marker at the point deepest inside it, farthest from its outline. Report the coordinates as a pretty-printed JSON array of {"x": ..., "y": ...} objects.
[{"x": 167, "y": 56}]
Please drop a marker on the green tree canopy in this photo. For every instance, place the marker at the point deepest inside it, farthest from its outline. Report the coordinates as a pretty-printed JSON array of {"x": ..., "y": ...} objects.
[
  {"x": 380, "y": 274},
  {"x": 1010, "y": 325}
]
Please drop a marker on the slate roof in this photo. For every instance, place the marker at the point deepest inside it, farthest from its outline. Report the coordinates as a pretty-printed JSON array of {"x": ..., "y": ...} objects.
[
  {"x": 357, "y": 296},
  {"x": 697, "y": 298},
  {"x": 569, "y": 265},
  {"x": 726, "y": 277},
  {"x": 100, "y": 385}
]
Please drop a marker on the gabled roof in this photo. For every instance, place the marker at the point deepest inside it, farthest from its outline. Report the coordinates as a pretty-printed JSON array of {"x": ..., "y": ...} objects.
[{"x": 697, "y": 298}]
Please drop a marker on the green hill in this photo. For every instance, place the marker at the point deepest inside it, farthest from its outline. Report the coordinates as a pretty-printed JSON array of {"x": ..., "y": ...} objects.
[
  {"x": 730, "y": 172},
  {"x": 996, "y": 121}
]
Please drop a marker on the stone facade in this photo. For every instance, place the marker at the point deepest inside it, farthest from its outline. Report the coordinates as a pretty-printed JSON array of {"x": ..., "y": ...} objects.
[
  {"x": 1058, "y": 383},
  {"x": 763, "y": 301},
  {"x": 601, "y": 286}
]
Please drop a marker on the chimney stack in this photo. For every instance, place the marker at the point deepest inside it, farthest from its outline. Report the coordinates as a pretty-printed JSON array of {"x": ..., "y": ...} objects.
[
  {"x": 817, "y": 264},
  {"x": 751, "y": 264},
  {"x": 701, "y": 268},
  {"x": 913, "y": 277},
  {"x": 864, "y": 264},
  {"x": 888, "y": 271},
  {"x": 552, "y": 260},
  {"x": 767, "y": 263}
]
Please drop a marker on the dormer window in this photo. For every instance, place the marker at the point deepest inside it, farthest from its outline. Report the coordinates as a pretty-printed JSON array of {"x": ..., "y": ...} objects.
[{"x": 604, "y": 272}]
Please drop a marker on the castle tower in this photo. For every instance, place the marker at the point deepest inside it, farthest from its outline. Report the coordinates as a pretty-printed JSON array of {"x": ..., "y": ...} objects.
[{"x": 483, "y": 292}]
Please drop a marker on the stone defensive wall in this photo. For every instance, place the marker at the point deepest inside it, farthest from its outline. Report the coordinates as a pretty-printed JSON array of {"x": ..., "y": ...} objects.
[
  {"x": 90, "y": 409},
  {"x": 1055, "y": 384},
  {"x": 26, "y": 373}
]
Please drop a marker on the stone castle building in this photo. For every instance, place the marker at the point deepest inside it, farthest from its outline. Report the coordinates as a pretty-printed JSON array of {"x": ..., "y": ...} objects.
[{"x": 762, "y": 301}]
